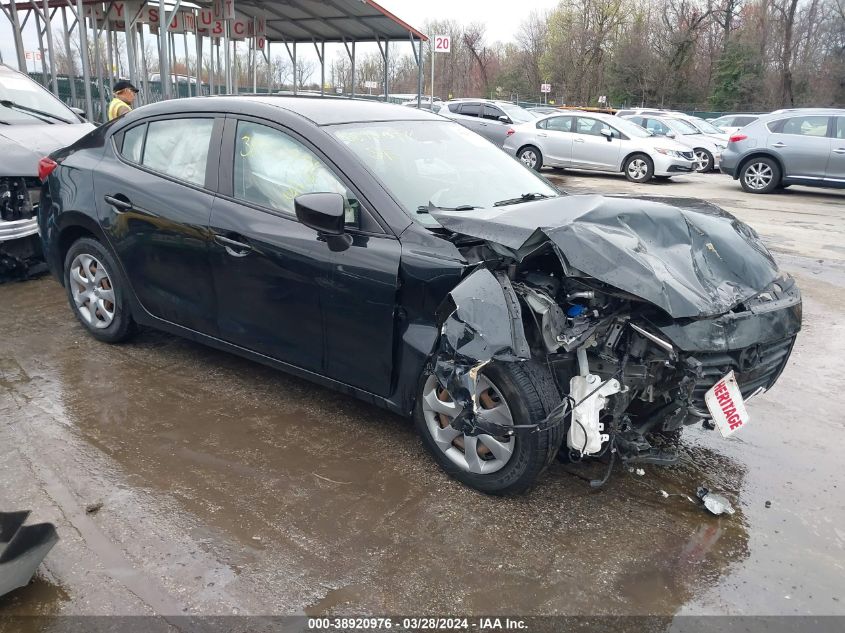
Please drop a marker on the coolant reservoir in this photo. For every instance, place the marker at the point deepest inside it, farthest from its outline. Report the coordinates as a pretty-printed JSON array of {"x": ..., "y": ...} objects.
[{"x": 586, "y": 432}]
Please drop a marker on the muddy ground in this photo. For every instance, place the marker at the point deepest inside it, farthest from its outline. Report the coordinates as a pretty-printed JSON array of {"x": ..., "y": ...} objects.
[{"x": 230, "y": 488}]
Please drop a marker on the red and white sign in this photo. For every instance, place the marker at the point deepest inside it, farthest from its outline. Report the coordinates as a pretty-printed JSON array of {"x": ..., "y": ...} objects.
[
  {"x": 545, "y": 87},
  {"x": 442, "y": 44},
  {"x": 34, "y": 55},
  {"x": 725, "y": 403},
  {"x": 224, "y": 9}
]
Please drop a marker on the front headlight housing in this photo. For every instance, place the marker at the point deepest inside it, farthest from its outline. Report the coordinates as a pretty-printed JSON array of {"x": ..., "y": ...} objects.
[{"x": 668, "y": 152}]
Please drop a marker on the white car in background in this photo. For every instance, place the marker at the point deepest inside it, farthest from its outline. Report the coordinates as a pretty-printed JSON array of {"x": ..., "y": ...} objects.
[
  {"x": 707, "y": 148},
  {"x": 597, "y": 142},
  {"x": 731, "y": 123}
]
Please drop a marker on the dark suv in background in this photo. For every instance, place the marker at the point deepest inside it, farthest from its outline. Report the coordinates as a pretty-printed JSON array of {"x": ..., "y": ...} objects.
[{"x": 789, "y": 147}]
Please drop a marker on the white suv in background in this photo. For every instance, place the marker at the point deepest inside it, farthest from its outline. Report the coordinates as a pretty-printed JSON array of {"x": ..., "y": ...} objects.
[{"x": 598, "y": 142}]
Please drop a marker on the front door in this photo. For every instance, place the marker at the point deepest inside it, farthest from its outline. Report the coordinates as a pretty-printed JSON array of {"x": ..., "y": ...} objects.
[
  {"x": 154, "y": 200},
  {"x": 592, "y": 150},
  {"x": 803, "y": 144},
  {"x": 556, "y": 135},
  {"x": 836, "y": 162},
  {"x": 284, "y": 290}
]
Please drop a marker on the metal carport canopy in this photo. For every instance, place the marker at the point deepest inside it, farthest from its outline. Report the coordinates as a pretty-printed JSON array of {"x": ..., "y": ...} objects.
[{"x": 326, "y": 20}]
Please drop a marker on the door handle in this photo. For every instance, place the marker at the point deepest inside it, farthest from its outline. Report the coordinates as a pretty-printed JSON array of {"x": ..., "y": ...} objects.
[
  {"x": 233, "y": 247},
  {"x": 578, "y": 140},
  {"x": 542, "y": 135},
  {"x": 840, "y": 150},
  {"x": 779, "y": 145},
  {"x": 119, "y": 204}
]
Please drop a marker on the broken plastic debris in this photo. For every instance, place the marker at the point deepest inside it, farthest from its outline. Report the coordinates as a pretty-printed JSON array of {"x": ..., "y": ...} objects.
[{"x": 715, "y": 503}]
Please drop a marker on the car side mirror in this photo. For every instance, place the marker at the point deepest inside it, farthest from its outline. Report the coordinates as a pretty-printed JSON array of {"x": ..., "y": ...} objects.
[
  {"x": 504, "y": 119},
  {"x": 325, "y": 213},
  {"x": 79, "y": 112},
  {"x": 607, "y": 133},
  {"x": 669, "y": 135}
]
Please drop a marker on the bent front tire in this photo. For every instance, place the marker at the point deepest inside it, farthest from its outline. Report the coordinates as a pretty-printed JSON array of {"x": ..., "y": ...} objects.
[
  {"x": 97, "y": 291},
  {"x": 511, "y": 394}
]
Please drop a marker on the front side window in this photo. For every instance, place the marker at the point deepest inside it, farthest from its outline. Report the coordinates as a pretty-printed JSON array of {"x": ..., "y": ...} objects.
[
  {"x": 271, "y": 169},
  {"x": 840, "y": 127},
  {"x": 585, "y": 125},
  {"x": 492, "y": 113},
  {"x": 802, "y": 126},
  {"x": 178, "y": 148},
  {"x": 742, "y": 121}
]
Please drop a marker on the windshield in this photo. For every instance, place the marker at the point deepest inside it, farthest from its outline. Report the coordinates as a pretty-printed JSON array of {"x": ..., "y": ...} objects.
[
  {"x": 23, "y": 91},
  {"x": 704, "y": 126},
  {"x": 439, "y": 162},
  {"x": 630, "y": 128},
  {"x": 680, "y": 125},
  {"x": 516, "y": 113}
]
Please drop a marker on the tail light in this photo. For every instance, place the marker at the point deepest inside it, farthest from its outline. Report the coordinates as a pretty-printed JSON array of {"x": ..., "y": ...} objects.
[
  {"x": 45, "y": 168},
  {"x": 736, "y": 138},
  {"x": 510, "y": 132}
]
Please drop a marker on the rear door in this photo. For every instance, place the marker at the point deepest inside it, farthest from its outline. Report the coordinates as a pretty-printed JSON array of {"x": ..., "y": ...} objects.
[
  {"x": 154, "y": 200},
  {"x": 284, "y": 290},
  {"x": 469, "y": 115},
  {"x": 556, "y": 136},
  {"x": 592, "y": 150},
  {"x": 803, "y": 145}
]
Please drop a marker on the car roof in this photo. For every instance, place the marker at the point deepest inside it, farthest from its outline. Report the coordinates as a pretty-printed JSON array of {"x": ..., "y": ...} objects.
[
  {"x": 319, "y": 110},
  {"x": 828, "y": 111}
]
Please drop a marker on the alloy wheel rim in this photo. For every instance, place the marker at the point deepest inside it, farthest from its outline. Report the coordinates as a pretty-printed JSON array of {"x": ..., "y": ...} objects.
[
  {"x": 479, "y": 454},
  {"x": 92, "y": 291},
  {"x": 758, "y": 176},
  {"x": 701, "y": 160},
  {"x": 528, "y": 158},
  {"x": 637, "y": 168}
]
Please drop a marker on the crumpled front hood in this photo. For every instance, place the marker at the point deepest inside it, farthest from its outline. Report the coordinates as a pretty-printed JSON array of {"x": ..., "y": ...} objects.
[
  {"x": 23, "y": 145},
  {"x": 686, "y": 256}
]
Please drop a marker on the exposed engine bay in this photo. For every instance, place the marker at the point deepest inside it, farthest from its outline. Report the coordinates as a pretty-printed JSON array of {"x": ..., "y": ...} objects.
[
  {"x": 20, "y": 247},
  {"x": 631, "y": 373}
]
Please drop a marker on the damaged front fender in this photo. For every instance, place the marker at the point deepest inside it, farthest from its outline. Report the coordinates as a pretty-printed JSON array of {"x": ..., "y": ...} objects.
[{"x": 480, "y": 321}]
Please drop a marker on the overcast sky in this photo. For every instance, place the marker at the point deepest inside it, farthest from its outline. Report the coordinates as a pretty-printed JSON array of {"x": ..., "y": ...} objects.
[{"x": 502, "y": 18}]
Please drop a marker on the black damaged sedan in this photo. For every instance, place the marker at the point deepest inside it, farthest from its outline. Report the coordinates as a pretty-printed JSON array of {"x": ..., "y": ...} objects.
[{"x": 398, "y": 257}]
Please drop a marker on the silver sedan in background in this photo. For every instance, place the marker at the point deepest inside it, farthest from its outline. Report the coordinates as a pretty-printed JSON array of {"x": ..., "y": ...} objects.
[
  {"x": 598, "y": 142},
  {"x": 707, "y": 148}
]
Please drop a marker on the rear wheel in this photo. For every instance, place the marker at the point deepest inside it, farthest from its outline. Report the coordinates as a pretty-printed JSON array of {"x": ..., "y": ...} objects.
[
  {"x": 510, "y": 393},
  {"x": 531, "y": 157},
  {"x": 639, "y": 168},
  {"x": 97, "y": 292},
  {"x": 760, "y": 175},
  {"x": 703, "y": 160}
]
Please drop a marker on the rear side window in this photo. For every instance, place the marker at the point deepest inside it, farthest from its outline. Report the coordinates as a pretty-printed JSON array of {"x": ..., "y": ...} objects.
[
  {"x": 801, "y": 126},
  {"x": 742, "y": 121},
  {"x": 560, "y": 124},
  {"x": 655, "y": 126},
  {"x": 470, "y": 109},
  {"x": 178, "y": 148},
  {"x": 133, "y": 143},
  {"x": 637, "y": 119},
  {"x": 840, "y": 127},
  {"x": 454, "y": 107}
]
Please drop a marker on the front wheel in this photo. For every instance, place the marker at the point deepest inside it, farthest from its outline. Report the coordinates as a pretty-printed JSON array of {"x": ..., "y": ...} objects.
[
  {"x": 97, "y": 292},
  {"x": 639, "y": 168},
  {"x": 531, "y": 157},
  {"x": 760, "y": 175},
  {"x": 510, "y": 393}
]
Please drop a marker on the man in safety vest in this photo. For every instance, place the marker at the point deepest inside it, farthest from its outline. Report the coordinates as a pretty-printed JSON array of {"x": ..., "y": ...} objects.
[{"x": 124, "y": 97}]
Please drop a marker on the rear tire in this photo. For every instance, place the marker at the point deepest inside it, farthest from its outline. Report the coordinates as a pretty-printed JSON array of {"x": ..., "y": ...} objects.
[
  {"x": 760, "y": 175},
  {"x": 703, "y": 160},
  {"x": 638, "y": 168},
  {"x": 529, "y": 393},
  {"x": 531, "y": 157},
  {"x": 96, "y": 291}
]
